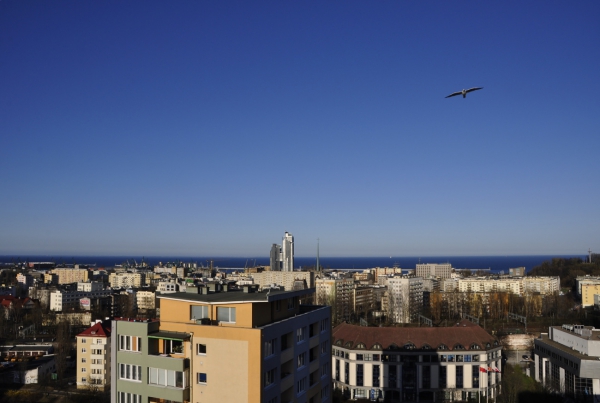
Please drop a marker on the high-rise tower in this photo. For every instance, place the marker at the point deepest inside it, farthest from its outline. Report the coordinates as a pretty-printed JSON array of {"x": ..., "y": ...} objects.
[
  {"x": 287, "y": 250},
  {"x": 275, "y": 257}
]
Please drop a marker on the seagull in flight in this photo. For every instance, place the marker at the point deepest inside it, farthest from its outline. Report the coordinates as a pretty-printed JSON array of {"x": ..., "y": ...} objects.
[{"x": 464, "y": 92}]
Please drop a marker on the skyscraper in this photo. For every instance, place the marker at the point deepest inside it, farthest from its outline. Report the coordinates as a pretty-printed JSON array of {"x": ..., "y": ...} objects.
[
  {"x": 287, "y": 249},
  {"x": 275, "y": 257}
]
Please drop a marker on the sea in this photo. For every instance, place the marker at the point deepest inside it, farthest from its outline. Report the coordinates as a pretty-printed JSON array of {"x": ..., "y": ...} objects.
[{"x": 495, "y": 264}]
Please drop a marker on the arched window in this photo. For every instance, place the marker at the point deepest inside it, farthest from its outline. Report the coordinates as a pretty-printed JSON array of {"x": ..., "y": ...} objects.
[
  {"x": 361, "y": 346},
  {"x": 338, "y": 343},
  {"x": 495, "y": 343},
  {"x": 488, "y": 345},
  {"x": 393, "y": 346},
  {"x": 426, "y": 347},
  {"x": 348, "y": 344},
  {"x": 459, "y": 347},
  {"x": 443, "y": 347},
  {"x": 377, "y": 346},
  {"x": 475, "y": 346},
  {"x": 409, "y": 346}
]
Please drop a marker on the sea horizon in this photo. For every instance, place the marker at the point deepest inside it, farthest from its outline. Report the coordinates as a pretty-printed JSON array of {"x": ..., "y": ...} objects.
[{"x": 494, "y": 263}]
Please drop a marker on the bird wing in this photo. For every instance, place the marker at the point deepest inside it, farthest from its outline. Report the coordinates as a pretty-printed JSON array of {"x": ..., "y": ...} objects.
[
  {"x": 474, "y": 89},
  {"x": 454, "y": 94}
]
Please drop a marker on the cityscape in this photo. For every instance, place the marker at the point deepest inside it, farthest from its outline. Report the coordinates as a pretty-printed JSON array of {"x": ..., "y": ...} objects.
[{"x": 299, "y": 202}]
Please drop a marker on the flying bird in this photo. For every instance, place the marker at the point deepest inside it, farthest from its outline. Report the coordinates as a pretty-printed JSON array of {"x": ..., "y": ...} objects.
[{"x": 464, "y": 92}]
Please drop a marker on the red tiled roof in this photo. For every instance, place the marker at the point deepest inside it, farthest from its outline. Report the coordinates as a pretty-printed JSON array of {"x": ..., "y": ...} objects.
[
  {"x": 98, "y": 330},
  {"x": 464, "y": 333}
]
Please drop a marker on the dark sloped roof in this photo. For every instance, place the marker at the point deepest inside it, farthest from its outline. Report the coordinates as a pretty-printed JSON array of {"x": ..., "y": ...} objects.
[{"x": 464, "y": 333}]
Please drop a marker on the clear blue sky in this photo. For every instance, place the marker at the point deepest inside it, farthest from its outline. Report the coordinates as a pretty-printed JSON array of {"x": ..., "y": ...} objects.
[{"x": 210, "y": 128}]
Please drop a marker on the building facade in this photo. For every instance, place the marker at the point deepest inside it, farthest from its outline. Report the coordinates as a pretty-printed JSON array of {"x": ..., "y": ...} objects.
[
  {"x": 228, "y": 346},
  {"x": 567, "y": 360},
  {"x": 436, "y": 270},
  {"x": 404, "y": 298},
  {"x": 287, "y": 252},
  {"x": 337, "y": 293},
  {"x": 94, "y": 357},
  {"x": 408, "y": 364}
]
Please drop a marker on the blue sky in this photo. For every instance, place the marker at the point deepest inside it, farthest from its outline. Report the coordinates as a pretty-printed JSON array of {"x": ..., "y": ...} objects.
[{"x": 210, "y": 128}]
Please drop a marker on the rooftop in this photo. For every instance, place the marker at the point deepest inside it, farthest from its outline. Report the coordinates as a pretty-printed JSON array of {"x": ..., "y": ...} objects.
[
  {"x": 465, "y": 334},
  {"x": 237, "y": 296}
]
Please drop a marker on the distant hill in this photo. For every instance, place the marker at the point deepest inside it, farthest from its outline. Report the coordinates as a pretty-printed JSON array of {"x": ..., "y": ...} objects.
[{"x": 567, "y": 269}]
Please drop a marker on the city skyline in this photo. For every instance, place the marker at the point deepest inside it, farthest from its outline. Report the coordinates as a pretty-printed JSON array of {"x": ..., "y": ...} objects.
[{"x": 163, "y": 129}]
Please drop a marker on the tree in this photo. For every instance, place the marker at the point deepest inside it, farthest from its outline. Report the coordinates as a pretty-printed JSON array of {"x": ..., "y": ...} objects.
[{"x": 63, "y": 347}]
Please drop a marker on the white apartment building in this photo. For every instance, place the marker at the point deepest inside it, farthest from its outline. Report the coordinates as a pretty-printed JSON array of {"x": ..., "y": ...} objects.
[
  {"x": 60, "y": 300},
  {"x": 67, "y": 275},
  {"x": 515, "y": 285},
  {"x": 127, "y": 280},
  {"x": 145, "y": 300},
  {"x": 90, "y": 286},
  {"x": 166, "y": 287},
  {"x": 283, "y": 278},
  {"x": 404, "y": 298},
  {"x": 337, "y": 293},
  {"x": 427, "y": 270}
]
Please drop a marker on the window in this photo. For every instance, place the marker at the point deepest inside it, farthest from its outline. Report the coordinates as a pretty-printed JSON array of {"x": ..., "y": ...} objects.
[
  {"x": 359, "y": 374},
  {"x": 84, "y": 379},
  {"x": 130, "y": 343},
  {"x": 442, "y": 376},
  {"x": 459, "y": 377},
  {"x": 376, "y": 371},
  {"x": 83, "y": 369},
  {"x": 173, "y": 346},
  {"x": 199, "y": 312},
  {"x": 359, "y": 357},
  {"x": 324, "y": 346},
  {"x": 83, "y": 340},
  {"x": 270, "y": 347},
  {"x": 83, "y": 360},
  {"x": 301, "y": 360},
  {"x": 201, "y": 349},
  {"x": 300, "y": 334},
  {"x": 129, "y": 398},
  {"x": 83, "y": 350},
  {"x": 301, "y": 386},
  {"x": 291, "y": 303},
  {"x": 225, "y": 314},
  {"x": 325, "y": 392},
  {"x": 165, "y": 377},
  {"x": 324, "y": 325},
  {"x": 130, "y": 372},
  {"x": 270, "y": 376},
  {"x": 278, "y": 305},
  {"x": 201, "y": 377},
  {"x": 325, "y": 369},
  {"x": 98, "y": 341}
]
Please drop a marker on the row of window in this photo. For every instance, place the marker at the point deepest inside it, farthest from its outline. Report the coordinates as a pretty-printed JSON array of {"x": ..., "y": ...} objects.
[
  {"x": 98, "y": 341},
  {"x": 420, "y": 358},
  {"x": 411, "y": 346},
  {"x": 224, "y": 314}
]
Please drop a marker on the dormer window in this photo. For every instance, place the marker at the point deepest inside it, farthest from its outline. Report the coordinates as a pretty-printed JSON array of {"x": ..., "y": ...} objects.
[
  {"x": 338, "y": 343},
  {"x": 475, "y": 346},
  {"x": 409, "y": 346},
  {"x": 377, "y": 346},
  {"x": 426, "y": 347},
  {"x": 348, "y": 344},
  {"x": 459, "y": 347},
  {"x": 361, "y": 346},
  {"x": 443, "y": 347}
]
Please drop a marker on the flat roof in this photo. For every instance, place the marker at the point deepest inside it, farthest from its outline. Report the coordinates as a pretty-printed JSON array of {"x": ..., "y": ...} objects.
[{"x": 237, "y": 296}]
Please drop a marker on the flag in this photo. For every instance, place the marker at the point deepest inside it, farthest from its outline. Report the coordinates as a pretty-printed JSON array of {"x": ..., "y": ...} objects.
[{"x": 482, "y": 369}]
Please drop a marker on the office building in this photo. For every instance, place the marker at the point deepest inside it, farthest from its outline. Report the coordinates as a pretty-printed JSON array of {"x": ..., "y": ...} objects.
[
  {"x": 216, "y": 344},
  {"x": 427, "y": 270},
  {"x": 93, "y": 357},
  {"x": 567, "y": 360},
  {"x": 416, "y": 364},
  {"x": 287, "y": 252}
]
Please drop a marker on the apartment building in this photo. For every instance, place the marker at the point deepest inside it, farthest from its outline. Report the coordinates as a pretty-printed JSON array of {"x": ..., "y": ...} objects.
[
  {"x": 567, "y": 360},
  {"x": 587, "y": 279},
  {"x": 362, "y": 300},
  {"x": 127, "y": 280},
  {"x": 284, "y": 279},
  {"x": 416, "y": 364},
  {"x": 94, "y": 357},
  {"x": 66, "y": 276},
  {"x": 60, "y": 300},
  {"x": 515, "y": 285},
  {"x": 225, "y": 346},
  {"x": 404, "y": 298},
  {"x": 337, "y": 293}
]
